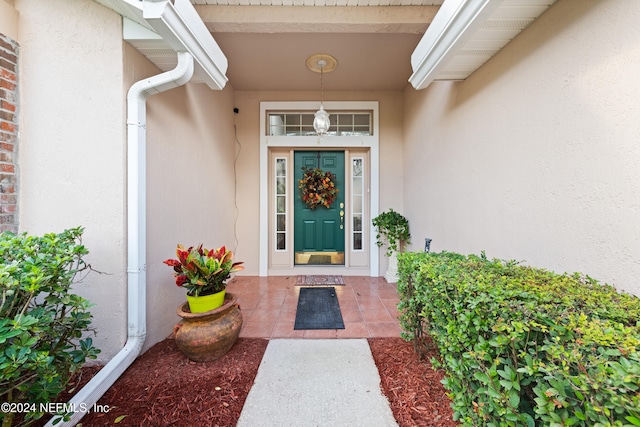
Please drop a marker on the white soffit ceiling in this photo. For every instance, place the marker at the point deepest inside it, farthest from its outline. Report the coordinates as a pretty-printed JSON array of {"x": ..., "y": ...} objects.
[
  {"x": 467, "y": 34},
  {"x": 511, "y": 17}
]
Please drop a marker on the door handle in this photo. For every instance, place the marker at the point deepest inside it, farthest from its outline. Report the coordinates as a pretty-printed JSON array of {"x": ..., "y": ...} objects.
[{"x": 341, "y": 219}]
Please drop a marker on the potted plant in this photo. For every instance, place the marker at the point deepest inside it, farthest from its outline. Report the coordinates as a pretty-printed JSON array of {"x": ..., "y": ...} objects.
[
  {"x": 204, "y": 273},
  {"x": 393, "y": 228},
  {"x": 208, "y": 329}
]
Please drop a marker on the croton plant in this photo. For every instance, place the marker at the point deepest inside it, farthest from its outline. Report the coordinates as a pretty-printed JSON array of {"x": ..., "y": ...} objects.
[{"x": 203, "y": 271}]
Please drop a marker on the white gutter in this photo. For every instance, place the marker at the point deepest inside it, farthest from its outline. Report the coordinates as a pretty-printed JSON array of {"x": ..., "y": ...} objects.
[
  {"x": 179, "y": 24},
  {"x": 454, "y": 24},
  {"x": 84, "y": 400},
  {"x": 180, "y": 29}
]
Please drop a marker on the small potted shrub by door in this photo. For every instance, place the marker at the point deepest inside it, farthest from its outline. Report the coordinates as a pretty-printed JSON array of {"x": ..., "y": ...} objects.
[
  {"x": 393, "y": 228},
  {"x": 211, "y": 318}
]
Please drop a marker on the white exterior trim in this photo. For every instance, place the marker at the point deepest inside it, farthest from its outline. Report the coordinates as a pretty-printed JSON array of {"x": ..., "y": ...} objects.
[
  {"x": 180, "y": 28},
  {"x": 266, "y": 142},
  {"x": 454, "y": 24}
]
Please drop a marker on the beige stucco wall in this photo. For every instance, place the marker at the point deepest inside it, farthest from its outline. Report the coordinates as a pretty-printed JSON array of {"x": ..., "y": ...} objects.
[
  {"x": 71, "y": 156},
  {"x": 191, "y": 183},
  {"x": 8, "y": 19},
  {"x": 248, "y": 124},
  {"x": 536, "y": 157}
]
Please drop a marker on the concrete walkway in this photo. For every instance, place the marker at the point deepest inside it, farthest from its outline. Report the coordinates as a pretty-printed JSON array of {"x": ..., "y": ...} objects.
[{"x": 323, "y": 382}]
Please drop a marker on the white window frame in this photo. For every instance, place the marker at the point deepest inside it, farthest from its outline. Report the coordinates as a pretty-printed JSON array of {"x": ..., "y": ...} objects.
[
  {"x": 327, "y": 142},
  {"x": 362, "y": 212},
  {"x": 286, "y": 204},
  {"x": 341, "y": 129}
]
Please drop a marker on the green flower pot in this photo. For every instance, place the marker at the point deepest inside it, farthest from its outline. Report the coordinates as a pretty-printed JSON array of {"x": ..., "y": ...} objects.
[{"x": 205, "y": 303}]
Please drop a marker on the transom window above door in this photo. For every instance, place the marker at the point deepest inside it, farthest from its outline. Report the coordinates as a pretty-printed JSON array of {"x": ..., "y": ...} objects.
[{"x": 301, "y": 124}]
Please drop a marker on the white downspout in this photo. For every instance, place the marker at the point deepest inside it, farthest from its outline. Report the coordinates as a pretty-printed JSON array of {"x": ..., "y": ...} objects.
[{"x": 84, "y": 400}]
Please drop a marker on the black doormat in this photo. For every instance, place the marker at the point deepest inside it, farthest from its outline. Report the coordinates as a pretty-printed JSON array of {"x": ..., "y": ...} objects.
[{"x": 318, "y": 308}]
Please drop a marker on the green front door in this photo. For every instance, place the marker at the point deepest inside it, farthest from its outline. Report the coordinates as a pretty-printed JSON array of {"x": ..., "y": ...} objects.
[{"x": 319, "y": 233}]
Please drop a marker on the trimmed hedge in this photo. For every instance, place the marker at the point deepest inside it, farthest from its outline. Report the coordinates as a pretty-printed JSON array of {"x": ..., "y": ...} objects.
[
  {"x": 523, "y": 346},
  {"x": 42, "y": 322}
]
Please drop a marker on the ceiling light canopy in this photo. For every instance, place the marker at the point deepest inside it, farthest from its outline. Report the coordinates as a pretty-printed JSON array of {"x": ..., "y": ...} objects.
[{"x": 321, "y": 63}]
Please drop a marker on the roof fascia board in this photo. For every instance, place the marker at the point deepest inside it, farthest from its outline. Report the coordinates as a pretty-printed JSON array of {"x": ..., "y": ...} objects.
[
  {"x": 296, "y": 19},
  {"x": 454, "y": 24},
  {"x": 180, "y": 26},
  {"x": 132, "y": 30},
  {"x": 131, "y": 9}
]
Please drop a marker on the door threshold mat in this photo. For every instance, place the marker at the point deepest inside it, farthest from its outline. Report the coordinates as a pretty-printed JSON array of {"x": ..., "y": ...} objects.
[
  {"x": 319, "y": 259},
  {"x": 319, "y": 280},
  {"x": 318, "y": 308}
]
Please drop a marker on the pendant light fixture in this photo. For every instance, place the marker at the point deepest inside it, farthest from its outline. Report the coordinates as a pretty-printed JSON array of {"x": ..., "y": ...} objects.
[{"x": 321, "y": 63}]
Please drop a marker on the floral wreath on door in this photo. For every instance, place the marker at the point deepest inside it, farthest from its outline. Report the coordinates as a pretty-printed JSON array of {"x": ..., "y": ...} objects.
[{"x": 317, "y": 188}]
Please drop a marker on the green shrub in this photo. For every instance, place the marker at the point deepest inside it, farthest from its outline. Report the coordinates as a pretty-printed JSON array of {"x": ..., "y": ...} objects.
[
  {"x": 41, "y": 321},
  {"x": 524, "y": 346}
]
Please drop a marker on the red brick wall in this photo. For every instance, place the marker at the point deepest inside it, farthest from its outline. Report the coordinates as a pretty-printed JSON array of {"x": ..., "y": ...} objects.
[{"x": 8, "y": 134}]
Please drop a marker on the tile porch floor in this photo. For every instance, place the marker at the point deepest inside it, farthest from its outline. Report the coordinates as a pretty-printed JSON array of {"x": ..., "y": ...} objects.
[{"x": 268, "y": 304}]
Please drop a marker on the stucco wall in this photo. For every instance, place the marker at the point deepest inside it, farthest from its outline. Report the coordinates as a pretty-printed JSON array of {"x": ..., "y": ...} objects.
[
  {"x": 71, "y": 160},
  {"x": 8, "y": 19},
  {"x": 248, "y": 123},
  {"x": 191, "y": 183},
  {"x": 535, "y": 157}
]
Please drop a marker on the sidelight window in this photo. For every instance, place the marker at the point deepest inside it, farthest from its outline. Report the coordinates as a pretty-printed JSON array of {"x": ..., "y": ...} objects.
[
  {"x": 281, "y": 203},
  {"x": 357, "y": 202}
]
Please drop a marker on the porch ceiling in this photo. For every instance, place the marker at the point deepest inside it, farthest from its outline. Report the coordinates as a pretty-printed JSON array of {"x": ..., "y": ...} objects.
[{"x": 268, "y": 41}]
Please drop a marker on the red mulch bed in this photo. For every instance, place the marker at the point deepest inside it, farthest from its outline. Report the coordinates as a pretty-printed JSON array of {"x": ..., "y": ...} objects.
[
  {"x": 164, "y": 388},
  {"x": 413, "y": 387}
]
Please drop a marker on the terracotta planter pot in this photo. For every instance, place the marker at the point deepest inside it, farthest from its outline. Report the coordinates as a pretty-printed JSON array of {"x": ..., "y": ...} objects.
[{"x": 208, "y": 336}]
